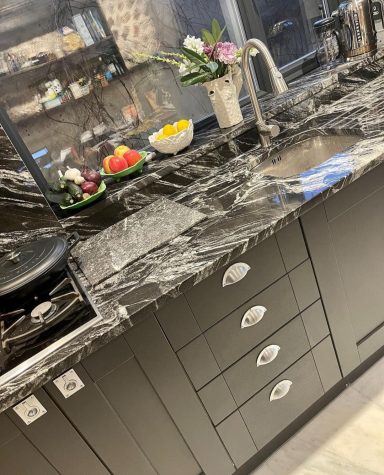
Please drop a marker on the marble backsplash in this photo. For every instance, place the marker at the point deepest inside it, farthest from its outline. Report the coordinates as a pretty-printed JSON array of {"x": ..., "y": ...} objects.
[{"x": 24, "y": 213}]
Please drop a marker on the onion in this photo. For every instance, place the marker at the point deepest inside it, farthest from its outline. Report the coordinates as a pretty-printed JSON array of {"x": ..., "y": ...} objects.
[
  {"x": 89, "y": 187},
  {"x": 91, "y": 175}
]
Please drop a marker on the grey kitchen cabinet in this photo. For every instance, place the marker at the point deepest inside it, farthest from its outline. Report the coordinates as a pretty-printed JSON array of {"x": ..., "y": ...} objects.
[
  {"x": 345, "y": 237},
  {"x": 58, "y": 441},
  {"x": 102, "y": 427},
  {"x": 210, "y": 301},
  {"x": 266, "y": 418},
  {"x": 246, "y": 377},
  {"x": 122, "y": 418},
  {"x": 163, "y": 369},
  {"x": 229, "y": 341},
  {"x": 18, "y": 456}
]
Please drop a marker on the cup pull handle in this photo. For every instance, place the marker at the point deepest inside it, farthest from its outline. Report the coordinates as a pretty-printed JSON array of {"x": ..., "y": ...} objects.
[
  {"x": 268, "y": 355},
  {"x": 253, "y": 316},
  {"x": 280, "y": 390},
  {"x": 235, "y": 273}
]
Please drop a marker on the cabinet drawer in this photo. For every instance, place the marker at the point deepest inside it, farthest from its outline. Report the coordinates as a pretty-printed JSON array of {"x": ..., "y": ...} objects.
[
  {"x": 247, "y": 376},
  {"x": 236, "y": 438},
  {"x": 178, "y": 323},
  {"x": 229, "y": 341},
  {"x": 265, "y": 419},
  {"x": 210, "y": 301}
]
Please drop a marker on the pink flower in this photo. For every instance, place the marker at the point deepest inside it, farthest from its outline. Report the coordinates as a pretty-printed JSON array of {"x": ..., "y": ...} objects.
[
  {"x": 208, "y": 49},
  {"x": 226, "y": 52}
]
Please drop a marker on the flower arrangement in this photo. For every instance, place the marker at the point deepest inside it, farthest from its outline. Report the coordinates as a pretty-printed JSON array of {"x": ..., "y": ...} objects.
[{"x": 202, "y": 59}]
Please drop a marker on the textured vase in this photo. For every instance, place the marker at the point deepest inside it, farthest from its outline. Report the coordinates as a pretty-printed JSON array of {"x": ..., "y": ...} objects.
[{"x": 224, "y": 95}]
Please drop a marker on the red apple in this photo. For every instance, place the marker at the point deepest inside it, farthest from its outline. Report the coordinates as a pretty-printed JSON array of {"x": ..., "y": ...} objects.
[
  {"x": 117, "y": 164},
  {"x": 132, "y": 157}
]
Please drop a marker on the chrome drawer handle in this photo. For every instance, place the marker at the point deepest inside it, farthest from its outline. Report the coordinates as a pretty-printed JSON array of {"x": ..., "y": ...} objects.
[
  {"x": 280, "y": 390},
  {"x": 253, "y": 316},
  {"x": 235, "y": 273},
  {"x": 268, "y": 355}
]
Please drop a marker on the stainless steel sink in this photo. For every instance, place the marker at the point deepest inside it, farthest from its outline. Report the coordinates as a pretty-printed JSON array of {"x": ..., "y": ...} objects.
[{"x": 305, "y": 155}]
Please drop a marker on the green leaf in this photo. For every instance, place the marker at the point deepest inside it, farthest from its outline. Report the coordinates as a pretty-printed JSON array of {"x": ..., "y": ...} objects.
[
  {"x": 193, "y": 56},
  {"x": 216, "y": 29},
  {"x": 190, "y": 76},
  {"x": 221, "y": 33},
  {"x": 207, "y": 37},
  {"x": 212, "y": 67},
  {"x": 197, "y": 79}
]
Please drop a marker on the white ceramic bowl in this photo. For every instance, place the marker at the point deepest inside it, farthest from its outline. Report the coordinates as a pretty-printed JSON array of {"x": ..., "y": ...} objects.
[{"x": 175, "y": 143}]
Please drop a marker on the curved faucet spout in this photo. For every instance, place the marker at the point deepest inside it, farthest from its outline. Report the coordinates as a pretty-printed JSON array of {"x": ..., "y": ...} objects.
[{"x": 279, "y": 86}]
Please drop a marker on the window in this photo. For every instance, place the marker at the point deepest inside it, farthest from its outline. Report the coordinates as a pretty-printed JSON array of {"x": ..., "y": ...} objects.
[
  {"x": 286, "y": 26},
  {"x": 69, "y": 78}
]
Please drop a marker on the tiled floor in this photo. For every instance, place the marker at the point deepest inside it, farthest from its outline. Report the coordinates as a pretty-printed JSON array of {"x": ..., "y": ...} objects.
[{"x": 346, "y": 438}]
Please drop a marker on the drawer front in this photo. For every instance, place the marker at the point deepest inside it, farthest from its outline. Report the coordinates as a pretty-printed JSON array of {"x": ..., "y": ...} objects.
[
  {"x": 178, "y": 323},
  {"x": 236, "y": 438},
  {"x": 210, "y": 301},
  {"x": 292, "y": 245},
  {"x": 267, "y": 361},
  {"x": 218, "y": 400},
  {"x": 199, "y": 362},
  {"x": 265, "y": 419},
  {"x": 229, "y": 341},
  {"x": 304, "y": 285}
]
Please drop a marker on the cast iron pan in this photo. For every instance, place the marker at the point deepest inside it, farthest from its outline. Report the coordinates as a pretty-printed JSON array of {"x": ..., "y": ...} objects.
[{"x": 31, "y": 266}]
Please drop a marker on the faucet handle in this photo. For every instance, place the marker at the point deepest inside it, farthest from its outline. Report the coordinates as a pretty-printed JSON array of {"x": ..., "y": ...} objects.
[
  {"x": 271, "y": 130},
  {"x": 274, "y": 130}
]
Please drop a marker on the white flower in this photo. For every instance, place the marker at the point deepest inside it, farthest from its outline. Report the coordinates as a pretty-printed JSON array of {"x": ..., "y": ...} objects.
[
  {"x": 183, "y": 70},
  {"x": 195, "y": 44},
  {"x": 187, "y": 67}
]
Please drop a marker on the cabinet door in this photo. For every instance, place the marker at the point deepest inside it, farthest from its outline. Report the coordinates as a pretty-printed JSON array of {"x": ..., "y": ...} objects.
[
  {"x": 58, "y": 441},
  {"x": 358, "y": 237},
  {"x": 102, "y": 428},
  {"x": 132, "y": 396},
  {"x": 17, "y": 455}
]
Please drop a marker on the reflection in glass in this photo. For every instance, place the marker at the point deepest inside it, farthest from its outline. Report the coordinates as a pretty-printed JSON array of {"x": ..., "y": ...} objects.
[
  {"x": 288, "y": 27},
  {"x": 70, "y": 81}
]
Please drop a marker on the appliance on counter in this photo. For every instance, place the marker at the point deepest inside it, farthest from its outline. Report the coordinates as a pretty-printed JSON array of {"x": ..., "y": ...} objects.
[
  {"x": 378, "y": 18},
  {"x": 358, "y": 33},
  {"x": 328, "y": 42},
  {"x": 43, "y": 304}
]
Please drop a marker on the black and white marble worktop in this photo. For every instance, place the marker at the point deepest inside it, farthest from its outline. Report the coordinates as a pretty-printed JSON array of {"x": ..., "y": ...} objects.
[
  {"x": 24, "y": 213},
  {"x": 242, "y": 207}
]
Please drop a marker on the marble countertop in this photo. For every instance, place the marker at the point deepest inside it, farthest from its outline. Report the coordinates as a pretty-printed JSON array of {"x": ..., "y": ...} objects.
[{"x": 242, "y": 207}]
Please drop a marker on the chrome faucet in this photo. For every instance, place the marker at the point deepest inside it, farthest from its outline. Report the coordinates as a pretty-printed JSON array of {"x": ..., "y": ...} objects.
[{"x": 266, "y": 132}]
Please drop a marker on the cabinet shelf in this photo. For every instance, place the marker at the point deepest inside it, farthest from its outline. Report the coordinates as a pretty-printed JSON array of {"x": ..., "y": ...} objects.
[
  {"x": 86, "y": 50},
  {"x": 60, "y": 107}
]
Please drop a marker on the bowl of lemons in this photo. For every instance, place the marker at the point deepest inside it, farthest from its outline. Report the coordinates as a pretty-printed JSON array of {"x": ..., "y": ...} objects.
[{"x": 173, "y": 138}]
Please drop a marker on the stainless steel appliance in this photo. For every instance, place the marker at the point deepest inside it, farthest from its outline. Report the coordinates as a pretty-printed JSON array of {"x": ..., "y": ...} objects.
[
  {"x": 43, "y": 305},
  {"x": 328, "y": 44},
  {"x": 358, "y": 33}
]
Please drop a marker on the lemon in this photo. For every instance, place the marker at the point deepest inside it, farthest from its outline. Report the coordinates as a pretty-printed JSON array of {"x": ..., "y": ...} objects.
[
  {"x": 182, "y": 125},
  {"x": 169, "y": 130},
  {"x": 161, "y": 137}
]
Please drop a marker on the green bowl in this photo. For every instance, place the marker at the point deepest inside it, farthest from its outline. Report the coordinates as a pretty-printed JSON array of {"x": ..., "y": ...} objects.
[
  {"x": 128, "y": 171},
  {"x": 89, "y": 200}
]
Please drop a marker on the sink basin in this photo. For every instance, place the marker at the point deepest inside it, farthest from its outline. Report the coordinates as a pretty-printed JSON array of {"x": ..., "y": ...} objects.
[{"x": 305, "y": 155}]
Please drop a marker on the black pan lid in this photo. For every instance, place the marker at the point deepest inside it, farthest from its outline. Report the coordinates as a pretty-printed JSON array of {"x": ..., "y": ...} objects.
[{"x": 31, "y": 262}]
